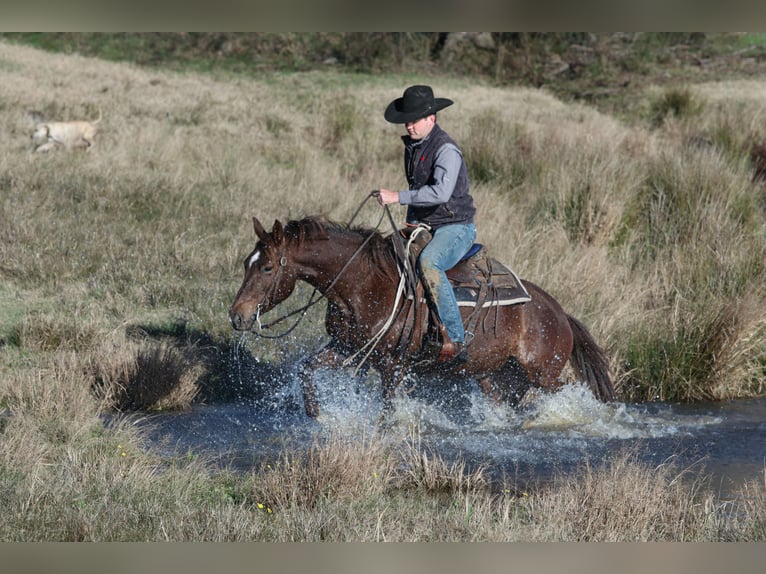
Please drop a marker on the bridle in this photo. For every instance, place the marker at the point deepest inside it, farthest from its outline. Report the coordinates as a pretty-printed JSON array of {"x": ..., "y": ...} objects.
[
  {"x": 312, "y": 301},
  {"x": 269, "y": 295},
  {"x": 407, "y": 282}
]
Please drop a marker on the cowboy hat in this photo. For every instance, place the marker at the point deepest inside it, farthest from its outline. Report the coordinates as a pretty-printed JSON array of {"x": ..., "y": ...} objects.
[{"x": 417, "y": 102}]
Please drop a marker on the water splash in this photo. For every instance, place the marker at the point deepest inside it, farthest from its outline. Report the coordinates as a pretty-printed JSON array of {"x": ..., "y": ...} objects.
[
  {"x": 346, "y": 403},
  {"x": 548, "y": 433},
  {"x": 459, "y": 407},
  {"x": 574, "y": 411}
]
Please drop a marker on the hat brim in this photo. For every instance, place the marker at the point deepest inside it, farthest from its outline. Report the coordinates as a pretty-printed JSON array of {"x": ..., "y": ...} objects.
[{"x": 395, "y": 115}]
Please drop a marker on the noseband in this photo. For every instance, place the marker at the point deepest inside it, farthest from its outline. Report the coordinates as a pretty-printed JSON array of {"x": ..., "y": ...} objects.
[{"x": 269, "y": 296}]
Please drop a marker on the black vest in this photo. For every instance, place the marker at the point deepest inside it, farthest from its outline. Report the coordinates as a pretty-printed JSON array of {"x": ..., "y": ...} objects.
[{"x": 419, "y": 169}]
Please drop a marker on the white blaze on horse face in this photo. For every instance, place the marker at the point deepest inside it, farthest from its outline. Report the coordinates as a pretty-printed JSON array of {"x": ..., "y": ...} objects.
[{"x": 253, "y": 258}]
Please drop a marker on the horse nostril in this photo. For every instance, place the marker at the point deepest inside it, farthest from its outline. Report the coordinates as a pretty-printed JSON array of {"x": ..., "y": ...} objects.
[{"x": 236, "y": 320}]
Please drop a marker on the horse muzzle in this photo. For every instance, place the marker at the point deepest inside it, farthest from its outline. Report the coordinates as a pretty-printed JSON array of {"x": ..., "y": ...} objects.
[
  {"x": 238, "y": 321},
  {"x": 245, "y": 320}
]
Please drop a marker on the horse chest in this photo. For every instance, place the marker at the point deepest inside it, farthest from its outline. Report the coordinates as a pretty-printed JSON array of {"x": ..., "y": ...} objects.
[{"x": 346, "y": 323}]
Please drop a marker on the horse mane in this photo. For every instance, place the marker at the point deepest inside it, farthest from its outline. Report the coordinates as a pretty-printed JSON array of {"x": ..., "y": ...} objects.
[{"x": 378, "y": 252}]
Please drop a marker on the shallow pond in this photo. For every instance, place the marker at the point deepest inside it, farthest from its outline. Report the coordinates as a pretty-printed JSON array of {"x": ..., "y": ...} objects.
[{"x": 553, "y": 433}]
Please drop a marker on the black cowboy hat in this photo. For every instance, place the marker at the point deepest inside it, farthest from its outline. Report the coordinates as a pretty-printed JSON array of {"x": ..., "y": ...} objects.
[{"x": 417, "y": 102}]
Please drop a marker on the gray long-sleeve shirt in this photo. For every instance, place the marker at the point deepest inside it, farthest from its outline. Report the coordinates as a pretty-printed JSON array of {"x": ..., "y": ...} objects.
[{"x": 446, "y": 169}]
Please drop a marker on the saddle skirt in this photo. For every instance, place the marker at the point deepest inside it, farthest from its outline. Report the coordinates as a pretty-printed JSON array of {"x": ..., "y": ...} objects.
[{"x": 478, "y": 280}]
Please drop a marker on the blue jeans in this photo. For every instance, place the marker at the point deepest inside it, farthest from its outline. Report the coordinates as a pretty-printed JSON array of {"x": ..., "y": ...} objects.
[{"x": 446, "y": 248}]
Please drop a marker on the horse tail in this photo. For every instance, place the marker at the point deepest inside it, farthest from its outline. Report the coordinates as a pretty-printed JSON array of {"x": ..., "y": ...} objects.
[{"x": 589, "y": 362}]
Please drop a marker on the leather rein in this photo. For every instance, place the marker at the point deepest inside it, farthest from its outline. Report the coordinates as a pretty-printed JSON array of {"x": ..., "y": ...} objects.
[{"x": 312, "y": 301}]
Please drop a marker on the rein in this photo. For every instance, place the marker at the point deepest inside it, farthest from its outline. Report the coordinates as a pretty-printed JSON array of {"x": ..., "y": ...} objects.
[
  {"x": 404, "y": 278},
  {"x": 303, "y": 310},
  {"x": 407, "y": 282}
]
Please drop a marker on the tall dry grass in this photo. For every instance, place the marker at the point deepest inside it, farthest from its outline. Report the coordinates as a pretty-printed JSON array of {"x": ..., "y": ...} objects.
[{"x": 654, "y": 241}]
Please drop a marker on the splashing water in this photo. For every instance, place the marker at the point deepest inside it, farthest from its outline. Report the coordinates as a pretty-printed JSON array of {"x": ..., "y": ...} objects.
[
  {"x": 550, "y": 432},
  {"x": 574, "y": 410}
]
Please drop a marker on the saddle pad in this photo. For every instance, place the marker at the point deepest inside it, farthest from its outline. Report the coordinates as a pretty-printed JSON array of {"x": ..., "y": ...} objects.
[
  {"x": 476, "y": 272},
  {"x": 506, "y": 289}
]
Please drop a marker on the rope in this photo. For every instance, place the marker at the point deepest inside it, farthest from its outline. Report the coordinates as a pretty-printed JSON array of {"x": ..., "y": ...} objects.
[{"x": 403, "y": 276}]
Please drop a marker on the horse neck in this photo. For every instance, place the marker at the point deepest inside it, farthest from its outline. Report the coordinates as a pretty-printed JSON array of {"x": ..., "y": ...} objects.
[{"x": 335, "y": 266}]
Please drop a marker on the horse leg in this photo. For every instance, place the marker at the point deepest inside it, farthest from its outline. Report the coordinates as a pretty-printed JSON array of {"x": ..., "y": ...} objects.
[
  {"x": 389, "y": 382},
  {"x": 391, "y": 377},
  {"x": 506, "y": 385},
  {"x": 488, "y": 386},
  {"x": 576, "y": 346},
  {"x": 326, "y": 357}
]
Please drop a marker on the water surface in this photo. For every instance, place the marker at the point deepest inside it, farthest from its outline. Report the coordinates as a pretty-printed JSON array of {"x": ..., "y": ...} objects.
[{"x": 552, "y": 433}]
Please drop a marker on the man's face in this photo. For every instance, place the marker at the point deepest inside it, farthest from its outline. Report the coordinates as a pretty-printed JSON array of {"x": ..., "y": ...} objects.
[{"x": 420, "y": 128}]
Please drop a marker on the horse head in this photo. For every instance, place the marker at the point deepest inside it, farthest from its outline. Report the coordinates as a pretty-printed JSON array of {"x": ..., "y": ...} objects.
[{"x": 268, "y": 279}]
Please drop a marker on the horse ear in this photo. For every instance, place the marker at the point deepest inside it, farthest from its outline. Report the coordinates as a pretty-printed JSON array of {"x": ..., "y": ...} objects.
[
  {"x": 277, "y": 232},
  {"x": 259, "y": 230}
]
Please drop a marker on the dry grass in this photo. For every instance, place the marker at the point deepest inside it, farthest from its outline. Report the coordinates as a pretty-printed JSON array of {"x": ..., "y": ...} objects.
[
  {"x": 146, "y": 375},
  {"x": 654, "y": 504},
  {"x": 655, "y": 244}
]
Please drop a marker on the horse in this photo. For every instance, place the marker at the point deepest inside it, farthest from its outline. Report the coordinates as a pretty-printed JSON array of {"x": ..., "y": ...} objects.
[{"x": 357, "y": 271}]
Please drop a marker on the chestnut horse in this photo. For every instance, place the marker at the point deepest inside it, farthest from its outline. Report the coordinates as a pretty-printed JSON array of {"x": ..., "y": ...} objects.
[{"x": 356, "y": 271}]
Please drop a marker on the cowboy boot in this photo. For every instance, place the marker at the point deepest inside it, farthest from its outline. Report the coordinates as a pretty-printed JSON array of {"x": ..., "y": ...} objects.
[{"x": 453, "y": 353}]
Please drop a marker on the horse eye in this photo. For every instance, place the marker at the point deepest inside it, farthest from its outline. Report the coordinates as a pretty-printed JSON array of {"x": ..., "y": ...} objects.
[{"x": 267, "y": 269}]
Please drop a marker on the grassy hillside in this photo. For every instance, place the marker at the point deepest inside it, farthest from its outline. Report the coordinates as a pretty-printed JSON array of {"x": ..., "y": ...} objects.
[
  {"x": 608, "y": 70},
  {"x": 117, "y": 267}
]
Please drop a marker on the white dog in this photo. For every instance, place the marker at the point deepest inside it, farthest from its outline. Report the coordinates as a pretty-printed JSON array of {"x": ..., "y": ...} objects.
[{"x": 69, "y": 135}]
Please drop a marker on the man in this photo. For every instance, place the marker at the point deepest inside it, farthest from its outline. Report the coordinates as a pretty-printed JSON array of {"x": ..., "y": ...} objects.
[{"x": 439, "y": 197}]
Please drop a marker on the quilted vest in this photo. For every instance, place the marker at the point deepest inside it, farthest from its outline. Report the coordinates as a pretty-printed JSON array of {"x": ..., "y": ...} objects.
[{"x": 419, "y": 169}]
